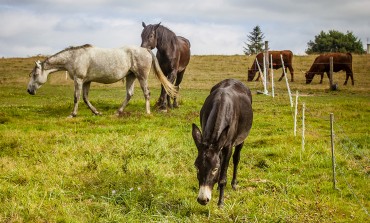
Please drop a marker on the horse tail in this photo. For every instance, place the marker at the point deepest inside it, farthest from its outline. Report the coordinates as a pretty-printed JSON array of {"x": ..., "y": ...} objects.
[{"x": 170, "y": 89}]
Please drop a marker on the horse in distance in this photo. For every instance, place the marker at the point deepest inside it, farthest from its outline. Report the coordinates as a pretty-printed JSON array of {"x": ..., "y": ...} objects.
[
  {"x": 226, "y": 119},
  {"x": 86, "y": 64},
  {"x": 276, "y": 63},
  {"x": 173, "y": 54}
]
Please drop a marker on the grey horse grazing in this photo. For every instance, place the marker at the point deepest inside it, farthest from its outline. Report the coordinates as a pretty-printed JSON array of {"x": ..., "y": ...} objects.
[
  {"x": 226, "y": 119},
  {"x": 86, "y": 64}
]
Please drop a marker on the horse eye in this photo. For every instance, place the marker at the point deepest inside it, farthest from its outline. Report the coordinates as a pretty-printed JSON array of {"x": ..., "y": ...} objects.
[{"x": 214, "y": 171}]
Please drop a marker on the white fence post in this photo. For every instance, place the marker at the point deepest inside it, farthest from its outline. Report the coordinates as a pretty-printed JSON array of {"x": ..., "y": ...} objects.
[
  {"x": 286, "y": 80},
  {"x": 272, "y": 78},
  {"x": 259, "y": 69},
  {"x": 332, "y": 148},
  {"x": 265, "y": 74},
  {"x": 295, "y": 113},
  {"x": 303, "y": 128}
]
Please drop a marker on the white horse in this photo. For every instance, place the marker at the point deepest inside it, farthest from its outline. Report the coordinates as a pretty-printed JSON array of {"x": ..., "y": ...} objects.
[{"x": 86, "y": 64}]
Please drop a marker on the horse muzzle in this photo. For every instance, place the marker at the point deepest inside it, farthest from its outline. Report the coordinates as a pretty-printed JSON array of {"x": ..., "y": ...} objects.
[
  {"x": 32, "y": 92},
  {"x": 205, "y": 194}
]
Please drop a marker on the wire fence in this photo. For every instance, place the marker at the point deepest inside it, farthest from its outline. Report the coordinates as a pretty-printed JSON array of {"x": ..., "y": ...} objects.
[{"x": 345, "y": 147}]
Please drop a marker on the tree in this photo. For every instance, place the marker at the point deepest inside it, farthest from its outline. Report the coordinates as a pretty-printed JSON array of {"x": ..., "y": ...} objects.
[
  {"x": 255, "y": 41},
  {"x": 335, "y": 41}
]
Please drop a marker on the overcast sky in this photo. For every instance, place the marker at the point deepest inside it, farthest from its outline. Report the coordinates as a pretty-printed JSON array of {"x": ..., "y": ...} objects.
[{"x": 32, "y": 27}]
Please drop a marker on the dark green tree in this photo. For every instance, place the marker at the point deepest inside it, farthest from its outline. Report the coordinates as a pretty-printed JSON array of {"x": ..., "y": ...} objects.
[
  {"x": 255, "y": 43},
  {"x": 335, "y": 41}
]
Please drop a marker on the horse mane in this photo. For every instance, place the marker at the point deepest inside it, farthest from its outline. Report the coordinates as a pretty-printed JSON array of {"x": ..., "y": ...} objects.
[
  {"x": 72, "y": 48},
  {"x": 165, "y": 36}
]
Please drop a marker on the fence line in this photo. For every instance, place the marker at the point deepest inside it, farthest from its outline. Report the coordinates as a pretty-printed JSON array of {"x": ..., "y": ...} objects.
[
  {"x": 261, "y": 64},
  {"x": 345, "y": 149},
  {"x": 353, "y": 192}
]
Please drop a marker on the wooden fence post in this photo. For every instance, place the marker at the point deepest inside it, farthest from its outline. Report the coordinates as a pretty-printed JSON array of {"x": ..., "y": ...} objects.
[{"x": 332, "y": 86}]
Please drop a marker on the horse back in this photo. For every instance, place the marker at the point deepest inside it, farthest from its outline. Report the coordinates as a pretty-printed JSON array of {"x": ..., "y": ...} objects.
[
  {"x": 184, "y": 52},
  {"x": 229, "y": 105}
]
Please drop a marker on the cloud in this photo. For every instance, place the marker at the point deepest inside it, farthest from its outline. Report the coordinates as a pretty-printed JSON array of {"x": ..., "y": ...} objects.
[{"x": 212, "y": 26}]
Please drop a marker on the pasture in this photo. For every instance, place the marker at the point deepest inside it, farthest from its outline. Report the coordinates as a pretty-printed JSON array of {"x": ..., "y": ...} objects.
[{"x": 139, "y": 167}]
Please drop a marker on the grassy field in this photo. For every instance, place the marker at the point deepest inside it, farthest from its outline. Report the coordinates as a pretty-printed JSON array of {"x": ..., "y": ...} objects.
[{"x": 139, "y": 167}]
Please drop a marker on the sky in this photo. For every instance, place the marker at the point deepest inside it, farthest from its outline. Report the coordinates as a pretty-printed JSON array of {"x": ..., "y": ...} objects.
[{"x": 214, "y": 27}]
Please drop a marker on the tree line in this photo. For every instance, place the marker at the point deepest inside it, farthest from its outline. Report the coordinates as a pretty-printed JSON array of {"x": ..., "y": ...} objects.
[{"x": 324, "y": 42}]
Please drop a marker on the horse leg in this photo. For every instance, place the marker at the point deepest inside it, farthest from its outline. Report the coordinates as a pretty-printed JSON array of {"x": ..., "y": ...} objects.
[
  {"x": 171, "y": 78},
  {"x": 291, "y": 70},
  {"x": 179, "y": 77},
  {"x": 161, "y": 103},
  {"x": 236, "y": 158},
  {"x": 282, "y": 75},
  {"x": 226, "y": 154},
  {"x": 78, "y": 86},
  {"x": 322, "y": 76},
  {"x": 258, "y": 77},
  {"x": 130, "y": 78},
  {"x": 144, "y": 86},
  {"x": 349, "y": 74},
  {"x": 85, "y": 95}
]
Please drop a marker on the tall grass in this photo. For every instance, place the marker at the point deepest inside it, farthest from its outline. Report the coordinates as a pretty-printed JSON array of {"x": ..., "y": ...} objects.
[{"x": 139, "y": 167}]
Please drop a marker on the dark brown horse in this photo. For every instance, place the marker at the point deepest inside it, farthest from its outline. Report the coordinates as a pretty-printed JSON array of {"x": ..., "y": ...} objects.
[
  {"x": 226, "y": 119},
  {"x": 173, "y": 54}
]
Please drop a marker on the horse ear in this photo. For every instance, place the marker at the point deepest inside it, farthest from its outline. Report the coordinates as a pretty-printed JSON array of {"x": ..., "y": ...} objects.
[
  {"x": 197, "y": 135},
  {"x": 222, "y": 138},
  {"x": 38, "y": 64},
  {"x": 143, "y": 24},
  {"x": 156, "y": 26}
]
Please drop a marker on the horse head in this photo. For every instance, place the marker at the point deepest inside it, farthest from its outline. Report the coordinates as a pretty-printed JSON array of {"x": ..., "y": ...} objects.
[
  {"x": 207, "y": 163},
  {"x": 309, "y": 76},
  {"x": 149, "y": 36},
  {"x": 251, "y": 74},
  {"x": 38, "y": 77}
]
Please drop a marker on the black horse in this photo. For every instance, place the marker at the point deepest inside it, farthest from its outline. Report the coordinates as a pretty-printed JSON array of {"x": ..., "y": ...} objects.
[
  {"x": 173, "y": 54},
  {"x": 226, "y": 119}
]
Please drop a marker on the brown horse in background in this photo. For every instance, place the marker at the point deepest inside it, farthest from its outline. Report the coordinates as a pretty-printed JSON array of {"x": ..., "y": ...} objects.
[
  {"x": 276, "y": 61},
  {"x": 173, "y": 54}
]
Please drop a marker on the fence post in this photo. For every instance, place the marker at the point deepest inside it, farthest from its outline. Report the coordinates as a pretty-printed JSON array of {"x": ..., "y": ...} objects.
[
  {"x": 272, "y": 77},
  {"x": 331, "y": 72},
  {"x": 303, "y": 128},
  {"x": 332, "y": 148},
  {"x": 265, "y": 68},
  {"x": 295, "y": 113},
  {"x": 286, "y": 81},
  {"x": 333, "y": 86}
]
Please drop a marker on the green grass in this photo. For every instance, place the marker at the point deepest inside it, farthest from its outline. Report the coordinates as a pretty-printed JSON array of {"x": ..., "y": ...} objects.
[{"x": 139, "y": 167}]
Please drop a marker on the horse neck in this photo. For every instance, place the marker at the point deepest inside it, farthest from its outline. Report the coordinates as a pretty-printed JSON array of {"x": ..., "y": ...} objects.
[
  {"x": 255, "y": 66},
  {"x": 58, "y": 61},
  {"x": 165, "y": 40}
]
